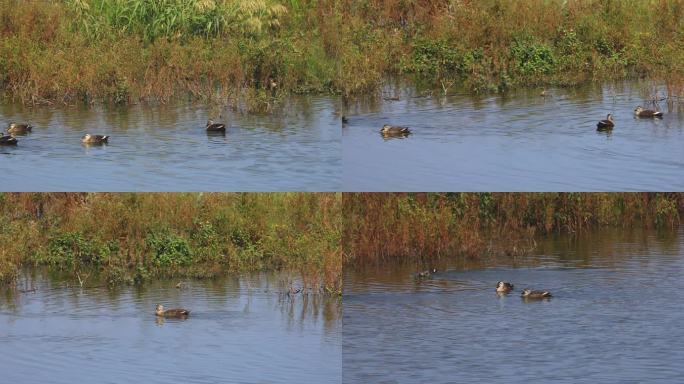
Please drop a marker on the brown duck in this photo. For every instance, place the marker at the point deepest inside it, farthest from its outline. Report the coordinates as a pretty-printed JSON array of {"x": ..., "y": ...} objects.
[
  {"x": 7, "y": 139},
  {"x": 94, "y": 139},
  {"x": 174, "y": 312},
  {"x": 640, "y": 112},
  {"x": 215, "y": 127},
  {"x": 504, "y": 287},
  {"x": 529, "y": 294},
  {"x": 607, "y": 124},
  {"x": 19, "y": 128}
]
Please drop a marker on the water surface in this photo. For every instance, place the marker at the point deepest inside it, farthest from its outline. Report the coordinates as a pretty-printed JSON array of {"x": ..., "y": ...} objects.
[
  {"x": 240, "y": 330},
  {"x": 615, "y": 317},
  {"x": 165, "y": 148},
  {"x": 515, "y": 142}
]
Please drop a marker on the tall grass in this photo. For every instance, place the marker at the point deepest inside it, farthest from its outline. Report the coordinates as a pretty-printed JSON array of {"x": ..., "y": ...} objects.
[
  {"x": 132, "y": 237},
  {"x": 176, "y": 18},
  {"x": 125, "y": 51},
  {"x": 401, "y": 227},
  {"x": 219, "y": 50},
  {"x": 493, "y": 45}
]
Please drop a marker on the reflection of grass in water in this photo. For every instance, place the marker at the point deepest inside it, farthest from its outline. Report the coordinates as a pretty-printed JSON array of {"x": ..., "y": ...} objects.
[
  {"x": 134, "y": 237},
  {"x": 424, "y": 228}
]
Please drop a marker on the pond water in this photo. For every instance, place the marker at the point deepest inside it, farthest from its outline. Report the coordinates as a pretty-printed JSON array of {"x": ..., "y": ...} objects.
[
  {"x": 615, "y": 316},
  {"x": 516, "y": 142},
  {"x": 166, "y": 148},
  {"x": 240, "y": 330}
]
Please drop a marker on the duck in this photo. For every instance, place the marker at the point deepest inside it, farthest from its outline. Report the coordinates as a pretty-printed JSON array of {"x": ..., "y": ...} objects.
[
  {"x": 426, "y": 273},
  {"x": 94, "y": 139},
  {"x": 607, "y": 124},
  {"x": 544, "y": 94},
  {"x": 345, "y": 120},
  {"x": 272, "y": 84},
  {"x": 504, "y": 287},
  {"x": 7, "y": 139},
  {"x": 19, "y": 128},
  {"x": 174, "y": 312},
  {"x": 640, "y": 112},
  {"x": 215, "y": 127},
  {"x": 529, "y": 294},
  {"x": 394, "y": 130}
]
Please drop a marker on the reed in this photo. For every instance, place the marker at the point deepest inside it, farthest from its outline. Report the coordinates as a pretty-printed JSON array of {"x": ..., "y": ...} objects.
[
  {"x": 220, "y": 51},
  {"x": 421, "y": 228},
  {"x": 132, "y": 237}
]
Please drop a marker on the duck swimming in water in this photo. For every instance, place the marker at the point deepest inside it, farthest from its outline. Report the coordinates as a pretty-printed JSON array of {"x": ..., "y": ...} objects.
[
  {"x": 19, "y": 128},
  {"x": 504, "y": 287},
  {"x": 426, "y": 273},
  {"x": 640, "y": 112},
  {"x": 215, "y": 127},
  {"x": 174, "y": 312},
  {"x": 394, "y": 130},
  {"x": 607, "y": 124},
  {"x": 94, "y": 139},
  {"x": 529, "y": 294},
  {"x": 7, "y": 139}
]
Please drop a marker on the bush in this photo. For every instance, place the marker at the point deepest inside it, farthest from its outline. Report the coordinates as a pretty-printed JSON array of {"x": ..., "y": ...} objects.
[
  {"x": 168, "y": 249},
  {"x": 532, "y": 58},
  {"x": 434, "y": 57},
  {"x": 72, "y": 248}
]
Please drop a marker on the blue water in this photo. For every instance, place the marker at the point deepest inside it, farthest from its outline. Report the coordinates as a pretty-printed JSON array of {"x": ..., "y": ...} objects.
[{"x": 165, "y": 148}]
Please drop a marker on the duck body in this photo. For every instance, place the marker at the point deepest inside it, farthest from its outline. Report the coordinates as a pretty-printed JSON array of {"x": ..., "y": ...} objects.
[
  {"x": 173, "y": 312},
  {"x": 7, "y": 140},
  {"x": 426, "y": 273},
  {"x": 606, "y": 125},
  {"x": 394, "y": 130},
  {"x": 19, "y": 128},
  {"x": 530, "y": 294},
  {"x": 215, "y": 127},
  {"x": 94, "y": 139},
  {"x": 504, "y": 287},
  {"x": 345, "y": 120},
  {"x": 640, "y": 112}
]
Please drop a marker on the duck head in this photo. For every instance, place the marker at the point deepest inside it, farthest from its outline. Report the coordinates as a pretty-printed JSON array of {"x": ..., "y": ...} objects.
[
  {"x": 160, "y": 309},
  {"x": 638, "y": 110}
]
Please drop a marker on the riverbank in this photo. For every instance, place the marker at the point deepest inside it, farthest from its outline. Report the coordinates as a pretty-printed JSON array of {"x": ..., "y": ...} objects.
[
  {"x": 240, "y": 54},
  {"x": 129, "y": 238},
  {"x": 422, "y": 228},
  {"x": 495, "y": 45},
  {"x": 226, "y": 52}
]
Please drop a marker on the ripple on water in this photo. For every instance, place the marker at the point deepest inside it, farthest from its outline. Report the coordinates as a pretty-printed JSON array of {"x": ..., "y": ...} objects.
[
  {"x": 62, "y": 335},
  {"x": 515, "y": 142},
  {"x": 612, "y": 318}
]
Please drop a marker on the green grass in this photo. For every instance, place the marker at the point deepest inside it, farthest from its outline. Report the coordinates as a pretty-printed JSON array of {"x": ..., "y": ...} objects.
[
  {"x": 132, "y": 237},
  {"x": 223, "y": 51}
]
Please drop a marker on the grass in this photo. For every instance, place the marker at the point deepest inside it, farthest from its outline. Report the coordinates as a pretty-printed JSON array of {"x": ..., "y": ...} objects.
[
  {"x": 424, "y": 227},
  {"x": 129, "y": 238},
  {"x": 128, "y": 51},
  {"x": 493, "y": 45},
  {"x": 224, "y": 51}
]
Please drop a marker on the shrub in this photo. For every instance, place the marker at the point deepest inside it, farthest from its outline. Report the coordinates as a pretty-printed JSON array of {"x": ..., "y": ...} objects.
[
  {"x": 168, "y": 249},
  {"x": 532, "y": 58},
  {"x": 72, "y": 248}
]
